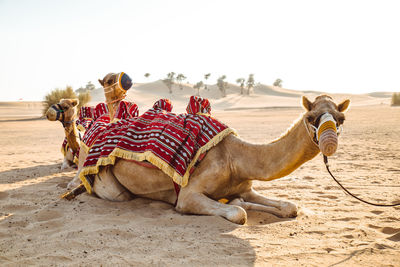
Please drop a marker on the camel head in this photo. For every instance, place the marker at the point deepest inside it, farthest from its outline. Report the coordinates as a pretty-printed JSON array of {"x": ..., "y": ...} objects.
[
  {"x": 64, "y": 111},
  {"x": 115, "y": 86},
  {"x": 324, "y": 117}
]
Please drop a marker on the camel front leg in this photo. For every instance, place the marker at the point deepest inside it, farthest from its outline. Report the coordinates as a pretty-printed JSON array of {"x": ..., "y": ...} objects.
[
  {"x": 253, "y": 206},
  {"x": 284, "y": 209},
  {"x": 198, "y": 203}
]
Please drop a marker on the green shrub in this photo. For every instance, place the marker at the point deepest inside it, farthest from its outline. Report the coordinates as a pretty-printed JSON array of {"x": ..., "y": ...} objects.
[
  {"x": 56, "y": 95},
  {"x": 396, "y": 99}
]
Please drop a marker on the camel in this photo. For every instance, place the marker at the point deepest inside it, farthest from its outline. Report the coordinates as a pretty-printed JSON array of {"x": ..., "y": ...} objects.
[
  {"x": 227, "y": 170},
  {"x": 65, "y": 112}
]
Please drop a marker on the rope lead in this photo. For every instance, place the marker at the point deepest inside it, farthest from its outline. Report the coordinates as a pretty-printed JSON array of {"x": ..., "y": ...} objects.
[{"x": 347, "y": 191}]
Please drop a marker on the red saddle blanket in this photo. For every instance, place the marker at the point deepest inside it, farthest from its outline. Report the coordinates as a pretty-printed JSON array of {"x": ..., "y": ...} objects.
[{"x": 171, "y": 142}]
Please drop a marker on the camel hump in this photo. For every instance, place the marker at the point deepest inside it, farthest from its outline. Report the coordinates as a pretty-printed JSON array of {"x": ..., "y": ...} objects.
[
  {"x": 198, "y": 105},
  {"x": 163, "y": 104}
]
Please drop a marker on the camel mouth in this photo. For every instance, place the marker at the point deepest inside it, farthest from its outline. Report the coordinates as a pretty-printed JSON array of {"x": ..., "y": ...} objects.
[{"x": 51, "y": 115}]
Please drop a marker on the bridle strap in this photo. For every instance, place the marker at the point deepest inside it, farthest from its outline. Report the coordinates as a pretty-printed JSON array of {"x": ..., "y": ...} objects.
[
  {"x": 309, "y": 133},
  {"x": 59, "y": 111}
]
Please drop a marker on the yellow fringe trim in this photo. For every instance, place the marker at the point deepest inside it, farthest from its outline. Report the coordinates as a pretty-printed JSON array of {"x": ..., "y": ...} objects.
[
  {"x": 153, "y": 159},
  {"x": 85, "y": 147},
  {"x": 81, "y": 128},
  {"x": 63, "y": 150},
  {"x": 76, "y": 160}
]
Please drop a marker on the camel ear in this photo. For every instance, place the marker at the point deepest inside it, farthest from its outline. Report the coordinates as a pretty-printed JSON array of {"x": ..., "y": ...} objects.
[
  {"x": 74, "y": 102},
  {"x": 307, "y": 104},
  {"x": 101, "y": 82},
  {"x": 342, "y": 107}
]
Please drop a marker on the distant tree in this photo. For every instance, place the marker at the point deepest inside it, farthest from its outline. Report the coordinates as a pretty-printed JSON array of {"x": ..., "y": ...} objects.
[
  {"x": 250, "y": 83},
  {"x": 396, "y": 99},
  {"x": 278, "y": 83},
  {"x": 206, "y": 76},
  {"x": 169, "y": 81},
  {"x": 241, "y": 82},
  {"x": 180, "y": 77},
  {"x": 198, "y": 86},
  {"x": 222, "y": 85},
  {"x": 56, "y": 95},
  {"x": 90, "y": 86},
  {"x": 147, "y": 75}
]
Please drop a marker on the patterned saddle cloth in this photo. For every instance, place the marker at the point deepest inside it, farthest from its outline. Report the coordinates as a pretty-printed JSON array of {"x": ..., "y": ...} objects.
[
  {"x": 171, "y": 142},
  {"x": 96, "y": 119}
]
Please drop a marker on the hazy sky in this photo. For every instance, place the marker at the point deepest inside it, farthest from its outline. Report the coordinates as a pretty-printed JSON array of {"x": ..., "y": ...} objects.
[{"x": 333, "y": 46}]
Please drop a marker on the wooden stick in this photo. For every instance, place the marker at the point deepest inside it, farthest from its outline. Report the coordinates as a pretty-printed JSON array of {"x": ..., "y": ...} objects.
[{"x": 74, "y": 192}]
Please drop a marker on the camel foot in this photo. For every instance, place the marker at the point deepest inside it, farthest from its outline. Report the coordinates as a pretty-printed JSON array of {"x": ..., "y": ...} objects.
[
  {"x": 74, "y": 183},
  {"x": 237, "y": 215},
  {"x": 288, "y": 210}
]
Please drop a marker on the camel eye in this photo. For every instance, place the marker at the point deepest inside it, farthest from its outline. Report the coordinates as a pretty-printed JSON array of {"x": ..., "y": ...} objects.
[{"x": 310, "y": 118}]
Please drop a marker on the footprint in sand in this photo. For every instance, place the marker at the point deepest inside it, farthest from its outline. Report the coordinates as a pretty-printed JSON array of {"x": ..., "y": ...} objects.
[
  {"x": 3, "y": 195},
  {"x": 394, "y": 232},
  {"x": 395, "y": 237},
  {"x": 47, "y": 215},
  {"x": 390, "y": 230},
  {"x": 347, "y": 219},
  {"x": 377, "y": 212}
]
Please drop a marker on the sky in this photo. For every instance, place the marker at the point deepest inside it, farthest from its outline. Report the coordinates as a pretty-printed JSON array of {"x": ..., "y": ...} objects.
[{"x": 337, "y": 46}]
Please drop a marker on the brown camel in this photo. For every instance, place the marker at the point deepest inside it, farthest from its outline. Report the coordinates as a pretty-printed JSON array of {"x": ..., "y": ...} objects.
[
  {"x": 65, "y": 112},
  {"x": 227, "y": 171}
]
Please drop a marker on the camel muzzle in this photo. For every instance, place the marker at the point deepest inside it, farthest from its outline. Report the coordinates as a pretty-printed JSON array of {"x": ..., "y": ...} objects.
[{"x": 327, "y": 135}]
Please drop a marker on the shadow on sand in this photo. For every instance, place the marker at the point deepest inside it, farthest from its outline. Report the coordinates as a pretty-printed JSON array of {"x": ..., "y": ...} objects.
[{"x": 21, "y": 174}]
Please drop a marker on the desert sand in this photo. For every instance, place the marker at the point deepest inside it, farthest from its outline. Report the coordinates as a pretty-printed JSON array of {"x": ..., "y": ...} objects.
[{"x": 332, "y": 229}]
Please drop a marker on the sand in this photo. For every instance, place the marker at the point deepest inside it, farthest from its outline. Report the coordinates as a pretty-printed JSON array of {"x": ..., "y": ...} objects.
[{"x": 332, "y": 229}]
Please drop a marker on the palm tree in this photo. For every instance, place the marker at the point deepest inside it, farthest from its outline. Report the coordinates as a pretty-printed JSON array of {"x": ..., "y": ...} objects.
[
  {"x": 147, "y": 75},
  {"x": 250, "y": 83},
  {"x": 206, "y": 76},
  {"x": 180, "y": 77},
  {"x": 222, "y": 85},
  {"x": 198, "y": 87},
  {"x": 241, "y": 82},
  {"x": 278, "y": 83},
  {"x": 169, "y": 81}
]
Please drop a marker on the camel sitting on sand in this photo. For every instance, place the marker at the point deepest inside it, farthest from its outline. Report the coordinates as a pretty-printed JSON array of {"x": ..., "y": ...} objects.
[
  {"x": 228, "y": 169},
  {"x": 65, "y": 112}
]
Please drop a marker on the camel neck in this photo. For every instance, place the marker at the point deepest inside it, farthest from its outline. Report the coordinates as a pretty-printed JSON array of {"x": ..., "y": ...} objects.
[
  {"x": 72, "y": 136},
  {"x": 280, "y": 157}
]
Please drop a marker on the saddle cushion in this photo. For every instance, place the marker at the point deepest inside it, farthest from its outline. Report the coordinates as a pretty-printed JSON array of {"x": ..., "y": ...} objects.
[{"x": 171, "y": 142}]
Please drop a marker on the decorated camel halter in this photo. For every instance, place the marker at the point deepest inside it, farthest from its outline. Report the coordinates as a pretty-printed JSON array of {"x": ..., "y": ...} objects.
[
  {"x": 60, "y": 115},
  {"x": 123, "y": 84},
  {"x": 325, "y": 136}
]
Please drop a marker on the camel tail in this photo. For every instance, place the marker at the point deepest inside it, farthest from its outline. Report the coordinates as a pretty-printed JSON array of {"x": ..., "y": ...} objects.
[{"x": 74, "y": 192}]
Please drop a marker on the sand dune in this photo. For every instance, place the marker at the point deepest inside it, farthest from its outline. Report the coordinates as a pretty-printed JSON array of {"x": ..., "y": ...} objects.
[
  {"x": 263, "y": 96},
  {"x": 38, "y": 228}
]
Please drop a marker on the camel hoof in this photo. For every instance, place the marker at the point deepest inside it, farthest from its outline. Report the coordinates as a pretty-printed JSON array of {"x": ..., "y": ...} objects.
[
  {"x": 74, "y": 183},
  {"x": 64, "y": 166},
  {"x": 238, "y": 215},
  {"x": 289, "y": 210}
]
